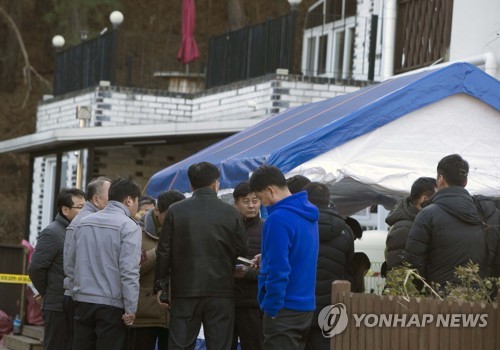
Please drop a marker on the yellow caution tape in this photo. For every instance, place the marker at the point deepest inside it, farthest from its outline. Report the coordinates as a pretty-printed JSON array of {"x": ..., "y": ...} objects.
[{"x": 9, "y": 278}]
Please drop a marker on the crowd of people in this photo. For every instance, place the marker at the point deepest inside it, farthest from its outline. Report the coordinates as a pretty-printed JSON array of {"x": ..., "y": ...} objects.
[{"x": 109, "y": 281}]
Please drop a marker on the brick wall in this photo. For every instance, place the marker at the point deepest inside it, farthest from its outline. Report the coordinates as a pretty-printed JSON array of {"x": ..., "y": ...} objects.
[{"x": 255, "y": 99}]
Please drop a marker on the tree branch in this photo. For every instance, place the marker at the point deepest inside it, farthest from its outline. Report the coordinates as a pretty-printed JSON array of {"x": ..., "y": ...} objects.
[{"x": 28, "y": 68}]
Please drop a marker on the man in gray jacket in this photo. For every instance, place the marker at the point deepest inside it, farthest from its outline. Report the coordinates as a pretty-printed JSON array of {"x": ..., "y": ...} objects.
[
  {"x": 46, "y": 268},
  {"x": 106, "y": 274},
  {"x": 97, "y": 199}
]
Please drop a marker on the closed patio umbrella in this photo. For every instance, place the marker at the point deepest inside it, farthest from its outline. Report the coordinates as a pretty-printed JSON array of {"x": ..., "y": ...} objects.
[{"x": 189, "y": 49}]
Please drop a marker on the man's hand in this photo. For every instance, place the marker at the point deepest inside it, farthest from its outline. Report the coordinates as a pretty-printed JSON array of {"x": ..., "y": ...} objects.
[
  {"x": 256, "y": 261},
  {"x": 240, "y": 271},
  {"x": 163, "y": 306},
  {"x": 128, "y": 319},
  {"x": 38, "y": 299}
]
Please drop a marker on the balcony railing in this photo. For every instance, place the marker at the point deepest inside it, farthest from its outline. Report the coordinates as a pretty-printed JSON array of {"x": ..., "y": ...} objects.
[
  {"x": 141, "y": 60},
  {"x": 124, "y": 59},
  {"x": 251, "y": 51}
]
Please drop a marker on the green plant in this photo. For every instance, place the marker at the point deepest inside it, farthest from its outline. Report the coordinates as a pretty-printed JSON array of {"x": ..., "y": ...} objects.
[{"x": 407, "y": 282}]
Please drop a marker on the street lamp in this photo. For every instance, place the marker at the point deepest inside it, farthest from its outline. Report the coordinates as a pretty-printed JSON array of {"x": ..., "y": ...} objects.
[
  {"x": 58, "y": 41},
  {"x": 292, "y": 17},
  {"x": 294, "y": 4},
  {"x": 116, "y": 18}
]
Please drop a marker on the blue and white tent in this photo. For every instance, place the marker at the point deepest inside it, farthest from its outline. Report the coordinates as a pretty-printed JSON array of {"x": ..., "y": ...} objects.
[{"x": 370, "y": 145}]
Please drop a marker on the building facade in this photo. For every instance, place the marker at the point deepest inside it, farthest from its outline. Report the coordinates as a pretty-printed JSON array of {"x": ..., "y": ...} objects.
[{"x": 112, "y": 130}]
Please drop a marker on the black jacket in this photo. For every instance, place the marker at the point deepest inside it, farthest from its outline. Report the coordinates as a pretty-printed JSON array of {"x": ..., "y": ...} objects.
[
  {"x": 245, "y": 290},
  {"x": 448, "y": 233},
  {"x": 400, "y": 220},
  {"x": 335, "y": 256},
  {"x": 46, "y": 267},
  {"x": 200, "y": 240}
]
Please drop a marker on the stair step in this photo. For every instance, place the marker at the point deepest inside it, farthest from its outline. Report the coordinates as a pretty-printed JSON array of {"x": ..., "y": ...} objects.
[
  {"x": 35, "y": 332},
  {"x": 20, "y": 342}
]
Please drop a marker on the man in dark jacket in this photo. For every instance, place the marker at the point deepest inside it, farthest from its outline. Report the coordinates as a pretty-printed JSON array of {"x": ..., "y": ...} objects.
[
  {"x": 248, "y": 317},
  {"x": 449, "y": 232},
  {"x": 335, "y": 257},
  {"x": 402, "y": 216},
  {"x": 200, "y": 241},
  {"x": 46, "y": 268}
]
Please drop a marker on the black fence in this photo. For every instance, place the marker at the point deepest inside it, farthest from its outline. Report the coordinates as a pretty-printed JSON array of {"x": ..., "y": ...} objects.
[
  {"x": 124, "y": 59},
  {"x": 85, "y": 64},
  {"x": 145, "y": 60},
  {"x": 251, "y": 51}
]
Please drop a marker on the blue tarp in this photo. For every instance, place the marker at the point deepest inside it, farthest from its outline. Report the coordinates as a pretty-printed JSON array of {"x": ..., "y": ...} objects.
[{"x": 299, "y": 134}]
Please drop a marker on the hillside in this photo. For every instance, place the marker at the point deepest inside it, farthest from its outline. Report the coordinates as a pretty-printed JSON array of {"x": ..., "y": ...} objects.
[{"x": 155, "y": 18}]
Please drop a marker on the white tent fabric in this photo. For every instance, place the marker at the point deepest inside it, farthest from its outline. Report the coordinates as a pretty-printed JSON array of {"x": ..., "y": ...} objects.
[{"x": 386, "y": 161}]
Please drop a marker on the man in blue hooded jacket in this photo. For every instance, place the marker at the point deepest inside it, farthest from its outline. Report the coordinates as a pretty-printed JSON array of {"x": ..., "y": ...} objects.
[{"x": 287, "y": 276}]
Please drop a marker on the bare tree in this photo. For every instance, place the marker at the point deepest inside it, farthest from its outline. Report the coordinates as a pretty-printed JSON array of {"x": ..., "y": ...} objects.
[
  {"x": 9, "y": 49},
  {"x": 28, "y": 68}
]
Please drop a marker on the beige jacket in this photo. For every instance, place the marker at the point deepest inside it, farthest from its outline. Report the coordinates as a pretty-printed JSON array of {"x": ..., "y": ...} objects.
[{"x": 149, "y": 313}]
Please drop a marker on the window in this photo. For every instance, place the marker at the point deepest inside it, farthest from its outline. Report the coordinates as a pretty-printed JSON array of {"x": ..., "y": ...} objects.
[
  {"x": 310, "y": 59},
  {"x": 340, "y": 9},
  {"x": 328, "y": 46},
  {"x": 323, "y": 44}
]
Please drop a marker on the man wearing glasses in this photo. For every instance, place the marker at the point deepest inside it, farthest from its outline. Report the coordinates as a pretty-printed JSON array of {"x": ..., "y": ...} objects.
[{"x": 46, "y": 267}]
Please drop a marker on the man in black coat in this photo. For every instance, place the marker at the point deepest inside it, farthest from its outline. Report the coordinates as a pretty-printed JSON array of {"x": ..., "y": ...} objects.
[
  {"x": 402, "y": 216},
  {"x": 200, "y": 240},
  {"x": 248, "y": 317},
  {"x": 449, "y": 232},
  {"x": 46, "y": 269},
  {"x": 335, "y": 257}
]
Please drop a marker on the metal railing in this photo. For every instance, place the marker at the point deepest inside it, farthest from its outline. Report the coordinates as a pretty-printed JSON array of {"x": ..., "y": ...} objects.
[
  {"x": 344, "y": 50},
  {"x": 85, "y": 64},
  {"x": 123, "y": 59},
  {"x": 251, "y": 51}
]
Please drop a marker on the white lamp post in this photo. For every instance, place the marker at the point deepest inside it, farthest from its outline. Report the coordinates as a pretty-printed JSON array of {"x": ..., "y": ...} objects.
[
  {"x": 58, "y": 41},
  {"x": 294, "y": 4},
  {"x": 116, "y": 18}
]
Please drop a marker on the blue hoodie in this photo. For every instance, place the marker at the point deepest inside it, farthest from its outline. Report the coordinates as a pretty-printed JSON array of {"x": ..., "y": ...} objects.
[{"x": 290, "y": 242}]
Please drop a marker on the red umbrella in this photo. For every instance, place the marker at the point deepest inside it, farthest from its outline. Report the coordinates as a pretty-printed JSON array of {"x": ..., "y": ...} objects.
[{"x": 189, "y": 49}]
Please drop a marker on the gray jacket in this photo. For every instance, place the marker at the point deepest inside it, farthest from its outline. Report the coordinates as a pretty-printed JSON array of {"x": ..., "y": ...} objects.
[
  {"x": 107, "y": 257},
  {"x": 70, "y": 245},
  {"x": 46, "y": 266}
]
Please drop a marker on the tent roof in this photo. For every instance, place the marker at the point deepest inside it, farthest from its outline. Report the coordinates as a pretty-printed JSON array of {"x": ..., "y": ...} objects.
[{"x": 302, "y": 133}]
